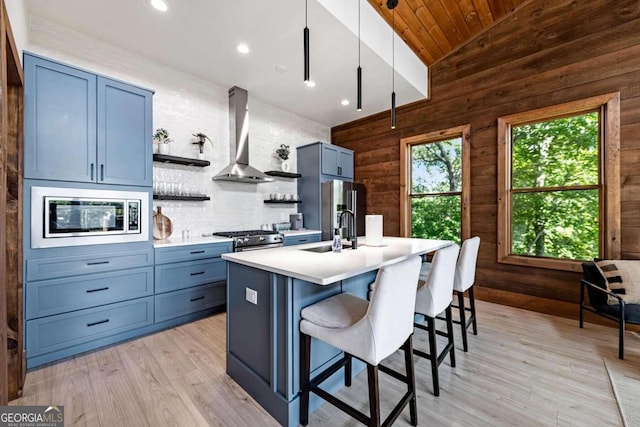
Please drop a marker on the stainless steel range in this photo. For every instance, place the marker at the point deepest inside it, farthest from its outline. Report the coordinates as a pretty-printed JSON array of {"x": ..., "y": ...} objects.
[{"x": 252, "y": 239}]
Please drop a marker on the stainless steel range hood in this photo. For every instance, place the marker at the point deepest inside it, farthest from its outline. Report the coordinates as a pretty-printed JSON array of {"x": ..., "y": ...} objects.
[{"x": 239, "y": 169}]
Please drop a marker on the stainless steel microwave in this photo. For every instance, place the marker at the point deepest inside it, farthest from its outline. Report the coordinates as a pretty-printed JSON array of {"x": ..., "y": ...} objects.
[{"x": 79, "y": 216}]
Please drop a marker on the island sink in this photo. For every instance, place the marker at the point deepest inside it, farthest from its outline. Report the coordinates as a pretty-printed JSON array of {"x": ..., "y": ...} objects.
[{"x": 323, "y": 249}]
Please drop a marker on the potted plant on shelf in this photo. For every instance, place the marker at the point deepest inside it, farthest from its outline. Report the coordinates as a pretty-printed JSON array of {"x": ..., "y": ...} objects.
[
  {"x": 162, "y": 136},
  {"x": 202, "y": 139},
  {"x": 283, "y": 154}
]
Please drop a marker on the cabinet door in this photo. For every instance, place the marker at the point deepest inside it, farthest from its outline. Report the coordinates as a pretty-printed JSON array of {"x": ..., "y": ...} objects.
[
  {"x": 59, "y": 121},
  {"x": 124, "y": 134},
  {"x": 345, "y": 164},
  {"x": 330, "y": 160}
]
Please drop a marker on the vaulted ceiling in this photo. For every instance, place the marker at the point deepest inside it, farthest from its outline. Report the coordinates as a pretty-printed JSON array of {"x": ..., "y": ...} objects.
[{"x": 434, "y": 28}]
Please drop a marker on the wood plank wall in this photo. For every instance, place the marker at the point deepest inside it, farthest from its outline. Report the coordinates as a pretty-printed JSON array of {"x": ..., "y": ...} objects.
[{"x": 547, "y": 52}]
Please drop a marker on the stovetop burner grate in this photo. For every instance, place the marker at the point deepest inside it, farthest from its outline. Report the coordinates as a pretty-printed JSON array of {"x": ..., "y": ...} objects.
[{"x": 232, "y": 234}]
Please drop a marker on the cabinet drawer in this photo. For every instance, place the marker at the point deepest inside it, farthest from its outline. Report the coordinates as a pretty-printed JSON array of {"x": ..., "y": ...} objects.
[
  {"x": 65, "y": 330},
  {"x": 187, "y": 301},
  {"x": 180, "y": 275},
  {"x": 51, "y": 268},
  {"x": 191, "y": 252},
  {"x": 299, "y": 240},
  {"x": 56, "y": 296}
]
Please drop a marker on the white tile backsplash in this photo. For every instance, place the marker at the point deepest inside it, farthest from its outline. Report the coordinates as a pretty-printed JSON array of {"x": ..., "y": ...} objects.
[{"x": 184, "y": 104}]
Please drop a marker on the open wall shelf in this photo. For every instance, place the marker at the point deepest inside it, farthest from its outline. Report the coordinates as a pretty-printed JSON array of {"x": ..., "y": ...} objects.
[
  {"x": 183, "y": 198},
  {"x": 282, "y": 202},
  {"x": 283, "y": 174},
  {"x": 165, "y": 158}
]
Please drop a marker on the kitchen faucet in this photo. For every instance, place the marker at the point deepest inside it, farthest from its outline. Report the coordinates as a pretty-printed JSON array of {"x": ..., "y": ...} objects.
[{"x": 353, "y": 238}]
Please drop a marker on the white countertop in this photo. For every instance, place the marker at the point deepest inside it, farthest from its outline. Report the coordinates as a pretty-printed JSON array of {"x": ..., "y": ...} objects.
[
  {"x": 299, "y": 232},
  {"x": 194, "y": 240},
  {"x": 328, "y": 267}
]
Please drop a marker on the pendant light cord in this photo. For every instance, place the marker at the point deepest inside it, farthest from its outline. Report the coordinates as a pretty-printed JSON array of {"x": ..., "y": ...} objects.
[
  {"x": 306, "y": 12},
  {"x": 393, "y": 50},
  {"x": 359, "y": 39}
]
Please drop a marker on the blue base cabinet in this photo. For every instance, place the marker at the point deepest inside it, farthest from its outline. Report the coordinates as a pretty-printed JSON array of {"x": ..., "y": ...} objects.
[
  {"x": 75, "y": 303},
  {"x": 263, "y": 338},
  {"x": 190, "y": 280},
  {"x": 82, "y": 127}
]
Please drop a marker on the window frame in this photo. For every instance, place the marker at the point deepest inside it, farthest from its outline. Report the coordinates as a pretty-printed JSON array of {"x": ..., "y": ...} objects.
[
  {"x": 464, "y": 133},
  {"x": 608, "y": 106}
]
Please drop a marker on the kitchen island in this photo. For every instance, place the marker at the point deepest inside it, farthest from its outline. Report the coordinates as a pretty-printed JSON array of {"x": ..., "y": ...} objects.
[{"x": 267, "y": 290}]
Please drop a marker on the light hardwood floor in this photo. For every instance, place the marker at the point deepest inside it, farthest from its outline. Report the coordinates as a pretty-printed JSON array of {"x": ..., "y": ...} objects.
[{"x": 523, "y": 369}]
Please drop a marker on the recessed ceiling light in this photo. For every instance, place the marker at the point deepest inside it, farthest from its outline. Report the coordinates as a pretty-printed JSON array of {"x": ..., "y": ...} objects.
[
  {"x": 242, "y": 48},
  {"x": 310, "y": 83},
  {"x": 160, "y": 5},
  {"x": 344, "y": 102}
]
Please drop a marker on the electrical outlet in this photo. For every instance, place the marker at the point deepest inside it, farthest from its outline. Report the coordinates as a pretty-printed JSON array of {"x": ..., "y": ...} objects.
[{"x": 251, "y": 295}]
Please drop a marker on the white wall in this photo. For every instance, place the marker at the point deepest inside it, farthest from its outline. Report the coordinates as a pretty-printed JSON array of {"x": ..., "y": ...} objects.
[
  {"x": 19, "y": 19},
  {"x": 184, "y": 105}
]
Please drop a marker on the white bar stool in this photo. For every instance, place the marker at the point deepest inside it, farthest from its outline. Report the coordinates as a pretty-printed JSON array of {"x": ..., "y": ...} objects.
[
  {"x": 433, "y": 297},
  {"x": 369, "y": 331},
  {"x": 464, "y": 279}
]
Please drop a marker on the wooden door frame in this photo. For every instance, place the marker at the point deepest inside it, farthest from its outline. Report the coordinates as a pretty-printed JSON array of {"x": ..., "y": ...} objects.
[{"x": 11, "y": 174}]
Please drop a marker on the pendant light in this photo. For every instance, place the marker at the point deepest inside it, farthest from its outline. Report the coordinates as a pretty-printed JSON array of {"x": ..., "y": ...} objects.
[
  {"x": 306, "y": 45},
  {"x": 391, "y": 4},
  {"x": 359, "y": 103}
]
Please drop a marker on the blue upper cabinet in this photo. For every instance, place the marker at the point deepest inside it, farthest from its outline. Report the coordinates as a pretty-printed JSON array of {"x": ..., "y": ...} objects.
[
  {"x": 124, "y": 134},
  {"x": 85, "y": 128},
  {"x": 59, "y": 121},
  {"x": 337, "y": 162}
]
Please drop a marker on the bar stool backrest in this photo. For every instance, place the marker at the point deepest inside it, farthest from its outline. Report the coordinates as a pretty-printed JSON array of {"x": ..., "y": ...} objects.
[
  {"x": 466, "y": 267},
  {"x": 437, "y": 292},
  {"x": 392, "y": 305}
]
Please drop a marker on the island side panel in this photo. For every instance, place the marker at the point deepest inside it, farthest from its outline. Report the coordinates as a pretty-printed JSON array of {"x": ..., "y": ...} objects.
[{"x": 263, "y": 339}]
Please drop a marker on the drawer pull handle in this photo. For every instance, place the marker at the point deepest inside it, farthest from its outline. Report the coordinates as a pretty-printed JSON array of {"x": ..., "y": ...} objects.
[
  {"x": 97, "y": 290},
  {"x": 196, "y": 299},
  {"x": 302, "y": 240},
  {"x": 198, "y": 273},
  {"x": 98, "y": 262},
  {"x": 100, "y": 322},
  {"x": 197, "y": 252}
]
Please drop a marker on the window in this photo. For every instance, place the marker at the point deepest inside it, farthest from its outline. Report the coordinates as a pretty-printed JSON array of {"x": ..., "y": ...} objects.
[
  {"x": 555, "y": 166},
  {"x": 434, "y": 202}
]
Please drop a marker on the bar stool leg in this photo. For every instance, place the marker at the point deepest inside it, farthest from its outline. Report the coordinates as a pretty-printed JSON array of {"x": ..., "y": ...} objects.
[
  {"x": 374, "y": 402},
  {"x": 433, "y": 352},
  {"x": 347, "y": 370},
  {"x": 463, "y": 320},
  {"x": 411, "y": 379},
  {"x": 472, "y": 302},
  {"x": 305, "y": 372},
  {"x": 452, "y": 351}
]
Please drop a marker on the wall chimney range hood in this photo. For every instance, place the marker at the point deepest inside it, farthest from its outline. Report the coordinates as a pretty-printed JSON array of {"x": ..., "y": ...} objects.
[{"x": 239, "y": 169}]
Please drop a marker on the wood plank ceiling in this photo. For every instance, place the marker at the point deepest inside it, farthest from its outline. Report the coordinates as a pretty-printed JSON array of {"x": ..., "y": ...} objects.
[{"x": 434, "y": 28}]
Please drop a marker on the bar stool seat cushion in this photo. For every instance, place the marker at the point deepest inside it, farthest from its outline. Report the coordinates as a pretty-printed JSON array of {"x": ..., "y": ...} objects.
[
  {"x": 369, "y": 331},
  {"x": 340, "y": 311}
]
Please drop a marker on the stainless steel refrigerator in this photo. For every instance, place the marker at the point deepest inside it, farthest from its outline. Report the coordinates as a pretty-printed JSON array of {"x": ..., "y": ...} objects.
[{"x": 336, "y": 197}]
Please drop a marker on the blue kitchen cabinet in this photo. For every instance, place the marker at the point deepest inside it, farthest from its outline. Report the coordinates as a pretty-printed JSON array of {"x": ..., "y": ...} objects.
[
  {"x": 124, "y": 134},
  {"x": 190, "y": 280},
  {"x": 337, "y": 162},
  {"x": 76, "y": 303},
  {"x": 59, "y": 121},
  {"x": 263, "y": 336},
  {"x": 83, "y": 127},
  {"x": 290, "y": 240}
]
